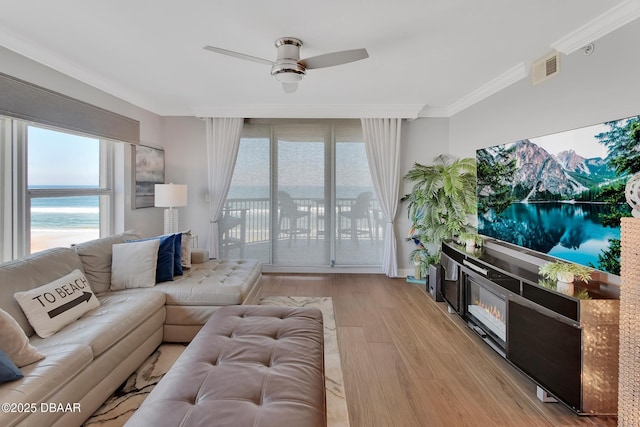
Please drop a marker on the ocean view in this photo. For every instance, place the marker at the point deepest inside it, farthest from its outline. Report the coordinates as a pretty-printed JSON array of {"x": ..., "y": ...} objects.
[
  {"x": 63, "y": 221},
  {"x": 65, "y": 212}
]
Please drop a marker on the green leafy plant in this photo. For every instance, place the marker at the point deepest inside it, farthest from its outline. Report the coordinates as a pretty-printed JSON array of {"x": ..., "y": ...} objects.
[
  {"x": 442, "y": 199},
  {"x": 551, "y": 270},
  {"x": 497, "y": 167}
]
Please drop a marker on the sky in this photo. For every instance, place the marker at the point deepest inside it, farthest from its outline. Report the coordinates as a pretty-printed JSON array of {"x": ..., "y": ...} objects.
[
  {"x": 581, "y": 140},
  {"x": 50, "y": 162}
]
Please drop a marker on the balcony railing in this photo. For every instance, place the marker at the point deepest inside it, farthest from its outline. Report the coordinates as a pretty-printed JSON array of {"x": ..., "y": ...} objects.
[{"x": 249, "y": 220}]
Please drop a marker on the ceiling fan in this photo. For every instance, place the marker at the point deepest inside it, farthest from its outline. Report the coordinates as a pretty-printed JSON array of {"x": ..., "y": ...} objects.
[{"x": 288, "y": 68}]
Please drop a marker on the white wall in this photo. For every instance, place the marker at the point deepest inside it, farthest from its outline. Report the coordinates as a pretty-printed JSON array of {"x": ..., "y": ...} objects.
[
  {"x": 149, "y": 220},
  {"x": 186, "y": 162},
  {"x": 588, "y": 90}
]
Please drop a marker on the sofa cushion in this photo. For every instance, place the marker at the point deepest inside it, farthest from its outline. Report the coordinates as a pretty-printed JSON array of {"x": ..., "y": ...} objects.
[
  {"x": 43, "y": 379},
  {"x": 8, "y": 370},
  {"x": 134, "y": 264},
  {"x": 119, "y": 314},
  {"x": 51, "y": 307},
  {"x": 30, "y": 272},
  {"x": 15, "y": 343},
  {"x": 96, "y": 259},
  {"x": 216, "y": 282}
]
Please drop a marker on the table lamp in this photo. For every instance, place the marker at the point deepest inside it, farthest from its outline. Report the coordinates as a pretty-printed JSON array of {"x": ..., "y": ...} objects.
[{"x": 170, "y": 196}]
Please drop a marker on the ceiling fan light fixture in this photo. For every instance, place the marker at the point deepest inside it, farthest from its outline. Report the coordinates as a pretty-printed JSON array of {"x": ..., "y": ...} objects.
[
  {"x": 288, "y": 72},
  {"x": 288, "y": 68}
]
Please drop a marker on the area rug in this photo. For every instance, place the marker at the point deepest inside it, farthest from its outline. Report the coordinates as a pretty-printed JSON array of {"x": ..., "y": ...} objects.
[{"x": 120, "y": 406}]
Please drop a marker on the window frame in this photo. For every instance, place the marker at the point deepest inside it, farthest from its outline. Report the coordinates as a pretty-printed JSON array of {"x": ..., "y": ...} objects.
[{"x": 17, "y": 215}]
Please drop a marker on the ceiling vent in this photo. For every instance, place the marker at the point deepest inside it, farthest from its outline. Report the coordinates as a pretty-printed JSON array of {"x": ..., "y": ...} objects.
[{"x": 545, "y": 68}]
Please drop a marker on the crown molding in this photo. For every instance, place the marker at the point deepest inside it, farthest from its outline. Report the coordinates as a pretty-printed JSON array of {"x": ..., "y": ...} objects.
[
  {"x": 434, "y": 112},
  {"x": 501, "y": 82},
  {"x": 611, "y": 20},
  {"x": 48, "y": 58},
  {"x": 318, "y": 111}
]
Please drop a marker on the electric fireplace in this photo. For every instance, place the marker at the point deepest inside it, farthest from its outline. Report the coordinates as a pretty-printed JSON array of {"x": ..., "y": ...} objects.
[
  {"x": 486, "y": 294},
  {"x": 487, "y": 309}
]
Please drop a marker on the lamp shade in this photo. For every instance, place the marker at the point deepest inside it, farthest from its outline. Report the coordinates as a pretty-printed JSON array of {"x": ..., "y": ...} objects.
[{"x": 170, "y": 195}]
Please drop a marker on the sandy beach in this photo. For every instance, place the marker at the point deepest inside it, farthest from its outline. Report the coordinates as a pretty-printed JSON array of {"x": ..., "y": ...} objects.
[{"x": 50, "y": 238}]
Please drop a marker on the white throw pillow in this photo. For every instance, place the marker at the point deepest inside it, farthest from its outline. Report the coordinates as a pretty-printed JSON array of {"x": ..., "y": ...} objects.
[
  {"x": 14, "y": 342},
  {"x": 53, "y": 306},
  {"x": 134, "y": 264}
]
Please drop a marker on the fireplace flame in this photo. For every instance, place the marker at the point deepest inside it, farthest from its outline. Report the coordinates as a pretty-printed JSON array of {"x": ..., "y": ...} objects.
[{"x": 492, "y": 310}]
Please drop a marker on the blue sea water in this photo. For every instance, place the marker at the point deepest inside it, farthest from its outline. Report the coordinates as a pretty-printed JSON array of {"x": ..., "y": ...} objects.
[{"x": 78, "y": 212}]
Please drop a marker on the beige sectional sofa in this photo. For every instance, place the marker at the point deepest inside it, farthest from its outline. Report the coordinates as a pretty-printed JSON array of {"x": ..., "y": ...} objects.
[{"x": 87, "y": 360}]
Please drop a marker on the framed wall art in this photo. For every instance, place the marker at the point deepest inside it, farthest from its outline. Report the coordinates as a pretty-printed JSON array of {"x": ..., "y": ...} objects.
[{"x": 149, "y": 170}]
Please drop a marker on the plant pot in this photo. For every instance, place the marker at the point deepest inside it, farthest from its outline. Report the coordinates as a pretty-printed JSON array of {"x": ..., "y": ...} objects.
[
  {"x": 565, "y": 277},
  {"x": 565, "y": 288}
]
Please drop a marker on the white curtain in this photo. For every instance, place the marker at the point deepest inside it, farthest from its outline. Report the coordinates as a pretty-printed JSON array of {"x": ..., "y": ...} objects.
[
  {"x": 223, "y": 141},
  {"x": 382, "y": 143}
]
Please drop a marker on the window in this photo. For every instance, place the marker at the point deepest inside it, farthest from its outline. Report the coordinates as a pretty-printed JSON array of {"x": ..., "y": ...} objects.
[
  {"x": 62, "y": 188},
  {"x": 302, "y": 196}
]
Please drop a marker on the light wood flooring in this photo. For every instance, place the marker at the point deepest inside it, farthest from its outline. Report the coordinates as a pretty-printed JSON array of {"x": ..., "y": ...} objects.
[{"x": 407, "y": 362}]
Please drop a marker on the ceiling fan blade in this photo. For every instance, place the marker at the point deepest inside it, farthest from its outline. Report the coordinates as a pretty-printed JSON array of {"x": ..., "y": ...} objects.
[
  {"x": 334, "y": 58},
  {"x": 237, "y": 55},
  {"x": 289, "y": 87}
]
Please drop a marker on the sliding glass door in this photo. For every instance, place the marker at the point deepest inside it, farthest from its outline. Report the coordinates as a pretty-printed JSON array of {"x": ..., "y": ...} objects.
[
  {"x": 301, "y": 193},
  {"x": 301, "y": 196}
]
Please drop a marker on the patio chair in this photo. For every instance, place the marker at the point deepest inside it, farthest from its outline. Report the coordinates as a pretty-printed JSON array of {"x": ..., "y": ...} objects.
[
  {"x": 290, "y": 218},
  {"x": 231, "y": 236},
  {"x": 358, "y": 217}
]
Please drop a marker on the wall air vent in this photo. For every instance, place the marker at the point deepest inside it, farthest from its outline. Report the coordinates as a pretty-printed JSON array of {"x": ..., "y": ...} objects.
[{"x": 545, "y": 68}]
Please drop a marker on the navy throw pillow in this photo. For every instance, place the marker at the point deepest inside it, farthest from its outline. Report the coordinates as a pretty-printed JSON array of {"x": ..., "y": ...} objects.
[{"x": 8, "y": 370}]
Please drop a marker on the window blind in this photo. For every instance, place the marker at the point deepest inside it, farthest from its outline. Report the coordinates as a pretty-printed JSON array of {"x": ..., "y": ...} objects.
[{"x": 26, "y": 101}]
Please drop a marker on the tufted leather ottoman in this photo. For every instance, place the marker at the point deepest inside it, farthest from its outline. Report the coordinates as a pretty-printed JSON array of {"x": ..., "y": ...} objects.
[{"x": 250, "y": 365}]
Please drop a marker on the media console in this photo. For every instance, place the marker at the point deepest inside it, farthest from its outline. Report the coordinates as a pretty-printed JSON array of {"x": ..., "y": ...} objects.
[{"x": 564, "y": 338}]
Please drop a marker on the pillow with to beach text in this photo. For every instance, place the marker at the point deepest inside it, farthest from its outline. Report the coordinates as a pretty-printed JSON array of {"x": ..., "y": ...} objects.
[{"x": 53, "y": 306}]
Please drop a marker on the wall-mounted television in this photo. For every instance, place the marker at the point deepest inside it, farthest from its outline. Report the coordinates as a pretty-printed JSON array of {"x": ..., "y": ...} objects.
[{"x": 561, "y": 194}]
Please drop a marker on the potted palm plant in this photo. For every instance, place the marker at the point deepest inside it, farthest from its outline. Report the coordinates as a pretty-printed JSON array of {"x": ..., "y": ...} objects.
[{"x": 441, "y": 202}]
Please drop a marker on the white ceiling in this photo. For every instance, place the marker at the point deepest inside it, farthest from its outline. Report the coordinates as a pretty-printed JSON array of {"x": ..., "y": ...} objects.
[{"x": 427, "y": 57}]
